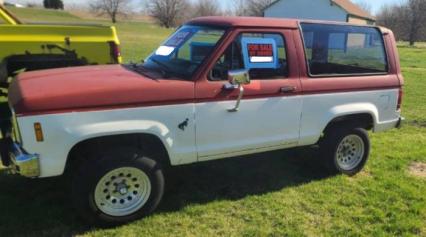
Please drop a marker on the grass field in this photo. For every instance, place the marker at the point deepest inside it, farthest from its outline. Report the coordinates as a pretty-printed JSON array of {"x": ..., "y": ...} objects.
[{"x": 281, "y": 193}]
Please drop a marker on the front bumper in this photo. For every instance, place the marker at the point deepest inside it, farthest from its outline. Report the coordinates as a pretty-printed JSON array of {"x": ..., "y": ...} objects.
[{"x": 25, "y": 164}]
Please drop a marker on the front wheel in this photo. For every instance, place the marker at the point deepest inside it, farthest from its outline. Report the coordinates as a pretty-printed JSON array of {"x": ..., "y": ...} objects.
[
  {"x": 117, "y": 187},
  {"x": 346, "y": 150}
]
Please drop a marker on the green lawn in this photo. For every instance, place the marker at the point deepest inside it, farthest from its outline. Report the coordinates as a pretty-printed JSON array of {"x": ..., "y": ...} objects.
[
  {"x": 281, "y": 193},
  {"x": 32, "y": 15}
]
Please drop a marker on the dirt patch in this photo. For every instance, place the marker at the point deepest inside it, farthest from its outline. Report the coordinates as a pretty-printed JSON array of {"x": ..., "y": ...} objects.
[
  {"x": 418, "y": 123},
  {"x": 418, "y": 169}
]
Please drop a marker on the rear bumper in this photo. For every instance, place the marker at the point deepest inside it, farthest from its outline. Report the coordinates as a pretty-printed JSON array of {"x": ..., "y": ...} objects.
[
  {"x": 388, "y": 125},
  {"x": 400, "y": 122}
]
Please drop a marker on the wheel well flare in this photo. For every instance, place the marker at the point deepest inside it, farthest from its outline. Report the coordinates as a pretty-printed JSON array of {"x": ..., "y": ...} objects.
[{"x": 149, "y": 144}]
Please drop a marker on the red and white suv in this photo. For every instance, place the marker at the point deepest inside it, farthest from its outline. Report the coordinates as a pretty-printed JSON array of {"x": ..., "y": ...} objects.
[{"x": 217, "y": 88}]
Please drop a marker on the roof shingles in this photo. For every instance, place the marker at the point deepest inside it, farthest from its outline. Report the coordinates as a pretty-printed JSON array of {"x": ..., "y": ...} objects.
[{"x": 353, "y": 9}]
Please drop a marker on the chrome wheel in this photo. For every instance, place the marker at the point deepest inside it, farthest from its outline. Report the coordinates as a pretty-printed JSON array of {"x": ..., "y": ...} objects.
[
  {"x": 122, "y": 191},
  {"x": 350, "y": 152}
]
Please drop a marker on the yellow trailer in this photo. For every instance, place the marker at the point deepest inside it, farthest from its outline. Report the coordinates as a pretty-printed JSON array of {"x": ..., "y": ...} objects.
[{"x": 44, "y": 46}]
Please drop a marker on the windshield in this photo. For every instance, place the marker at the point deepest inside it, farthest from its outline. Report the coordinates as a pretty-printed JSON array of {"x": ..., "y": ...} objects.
[{"x": 184, "y": 51}]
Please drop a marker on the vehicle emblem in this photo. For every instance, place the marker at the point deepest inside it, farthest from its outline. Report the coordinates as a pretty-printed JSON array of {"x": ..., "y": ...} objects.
[{"x": 183, "y": 125}]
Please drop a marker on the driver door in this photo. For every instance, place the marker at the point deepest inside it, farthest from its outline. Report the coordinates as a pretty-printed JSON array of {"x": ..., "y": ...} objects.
[{"x": 269, "y": 114}]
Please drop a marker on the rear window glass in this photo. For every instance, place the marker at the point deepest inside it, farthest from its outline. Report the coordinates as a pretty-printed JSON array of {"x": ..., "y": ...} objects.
[{"x": 344, "y": 50}]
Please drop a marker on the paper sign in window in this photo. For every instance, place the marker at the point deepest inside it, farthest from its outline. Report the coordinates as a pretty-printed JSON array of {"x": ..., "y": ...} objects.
[
  {"x": 260, "y": 53},
  {"x": 164, "y": 50}
]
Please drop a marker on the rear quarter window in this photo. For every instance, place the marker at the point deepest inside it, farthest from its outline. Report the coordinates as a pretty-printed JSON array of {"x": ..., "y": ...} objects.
[{"x": 344, "y": 50}]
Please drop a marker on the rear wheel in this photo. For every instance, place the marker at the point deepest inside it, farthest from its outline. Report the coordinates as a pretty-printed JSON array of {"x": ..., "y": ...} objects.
[
  {"x": 117, "y": 187},
  {"x": 346, "y": 150}
]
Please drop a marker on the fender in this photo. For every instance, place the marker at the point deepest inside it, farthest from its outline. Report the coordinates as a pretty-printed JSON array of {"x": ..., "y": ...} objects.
[
  {"x": 350, "y": 109},
  {"x": 64, "y": 131},
  {"x": 310, "y": 134},
  {"x": 90, "y": 131}
]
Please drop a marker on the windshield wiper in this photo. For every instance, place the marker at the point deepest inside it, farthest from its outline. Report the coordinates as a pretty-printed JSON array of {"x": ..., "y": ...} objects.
[
  {"x": 139, "y": 68},
  {"x": 165, "y": 69}
]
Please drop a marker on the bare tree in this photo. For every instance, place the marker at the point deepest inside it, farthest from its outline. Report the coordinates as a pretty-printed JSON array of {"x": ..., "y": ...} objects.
[
  {"x": 111, "y": 8},
  {"x": 168, "y": 13},
  {"x": 416, "y": 17},
  {"x": 390, "y": 16},
  {"x": 251, "y": 7},
  {"x": 406, "y": 20},
  {"x": 240, "y": 7},
  {"x": 206, "y": 8},
  {"x": 257, "y": 7},
  {"x": 53, "y": 4}
]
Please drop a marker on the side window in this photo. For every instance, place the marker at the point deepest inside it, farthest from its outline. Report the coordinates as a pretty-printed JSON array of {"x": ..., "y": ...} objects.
[
  {"x": 263, "y": 54},
  {"x": 344, "y": 50}
]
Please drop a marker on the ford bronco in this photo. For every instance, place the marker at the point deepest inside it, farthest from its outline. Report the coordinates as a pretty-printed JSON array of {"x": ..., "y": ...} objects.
[{"x": 219, "y": 87}]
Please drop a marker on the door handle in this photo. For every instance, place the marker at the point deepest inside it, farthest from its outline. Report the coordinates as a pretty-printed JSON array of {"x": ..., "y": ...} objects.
[
  {"x": 229, "y": 87},
  {"x": 288, "y": 89}
]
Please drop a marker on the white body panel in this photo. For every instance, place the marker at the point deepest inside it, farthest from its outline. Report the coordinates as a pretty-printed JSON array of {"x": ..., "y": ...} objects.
[
  {"x": 270, "y": 123},
  {"x": 320, "y": 109},
  {"x": 260, "y": 125},
  {"x": 63, "y": 131},
  {"x": 307, "y": 9}
]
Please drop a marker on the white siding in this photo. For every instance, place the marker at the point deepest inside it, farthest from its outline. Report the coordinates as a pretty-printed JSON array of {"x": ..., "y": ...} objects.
[
  {"x": 306, "y": 9},
  {"x": 356, "y": 20}
]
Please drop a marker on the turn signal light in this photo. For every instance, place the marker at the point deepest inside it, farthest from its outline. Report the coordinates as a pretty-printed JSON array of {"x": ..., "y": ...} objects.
[
  {"x": 38, "y": 132},
  {"x": 400, "y": 96}
]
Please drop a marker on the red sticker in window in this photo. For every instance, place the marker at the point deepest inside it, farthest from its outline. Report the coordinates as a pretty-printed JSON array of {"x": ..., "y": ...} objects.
[{"x": 260, "y": 50}]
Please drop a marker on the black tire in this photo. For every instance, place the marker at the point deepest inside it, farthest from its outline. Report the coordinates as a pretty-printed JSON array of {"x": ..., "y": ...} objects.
[
  {"x": 85, "y": 181},
  {"x": 329, "y": 148},
  {"x": 3, "y": 75}
]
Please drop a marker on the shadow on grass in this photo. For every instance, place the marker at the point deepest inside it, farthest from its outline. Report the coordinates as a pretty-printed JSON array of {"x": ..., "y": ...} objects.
[
  {"x": 417, "y": 123},
  {"x": 43, "y": 207}
]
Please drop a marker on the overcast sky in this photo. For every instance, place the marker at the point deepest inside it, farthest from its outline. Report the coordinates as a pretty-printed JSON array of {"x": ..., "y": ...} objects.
[{"x": 375, "y": 4}]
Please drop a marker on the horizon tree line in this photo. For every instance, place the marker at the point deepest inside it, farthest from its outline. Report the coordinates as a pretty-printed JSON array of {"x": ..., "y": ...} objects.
[{"x": 406, "y": 19}]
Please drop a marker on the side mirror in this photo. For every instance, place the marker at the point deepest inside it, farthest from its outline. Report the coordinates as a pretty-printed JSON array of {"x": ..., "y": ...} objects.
[{"x": 239, "y": 77}]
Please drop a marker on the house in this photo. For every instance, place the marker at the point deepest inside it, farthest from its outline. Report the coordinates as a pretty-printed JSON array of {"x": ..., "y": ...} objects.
[
  {"x": 332, "y": 10},
  {"x": 17, "y": 5}
]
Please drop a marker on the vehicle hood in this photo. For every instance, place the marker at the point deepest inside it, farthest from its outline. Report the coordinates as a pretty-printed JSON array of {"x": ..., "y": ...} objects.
[{"x": 92, "y": 87}]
